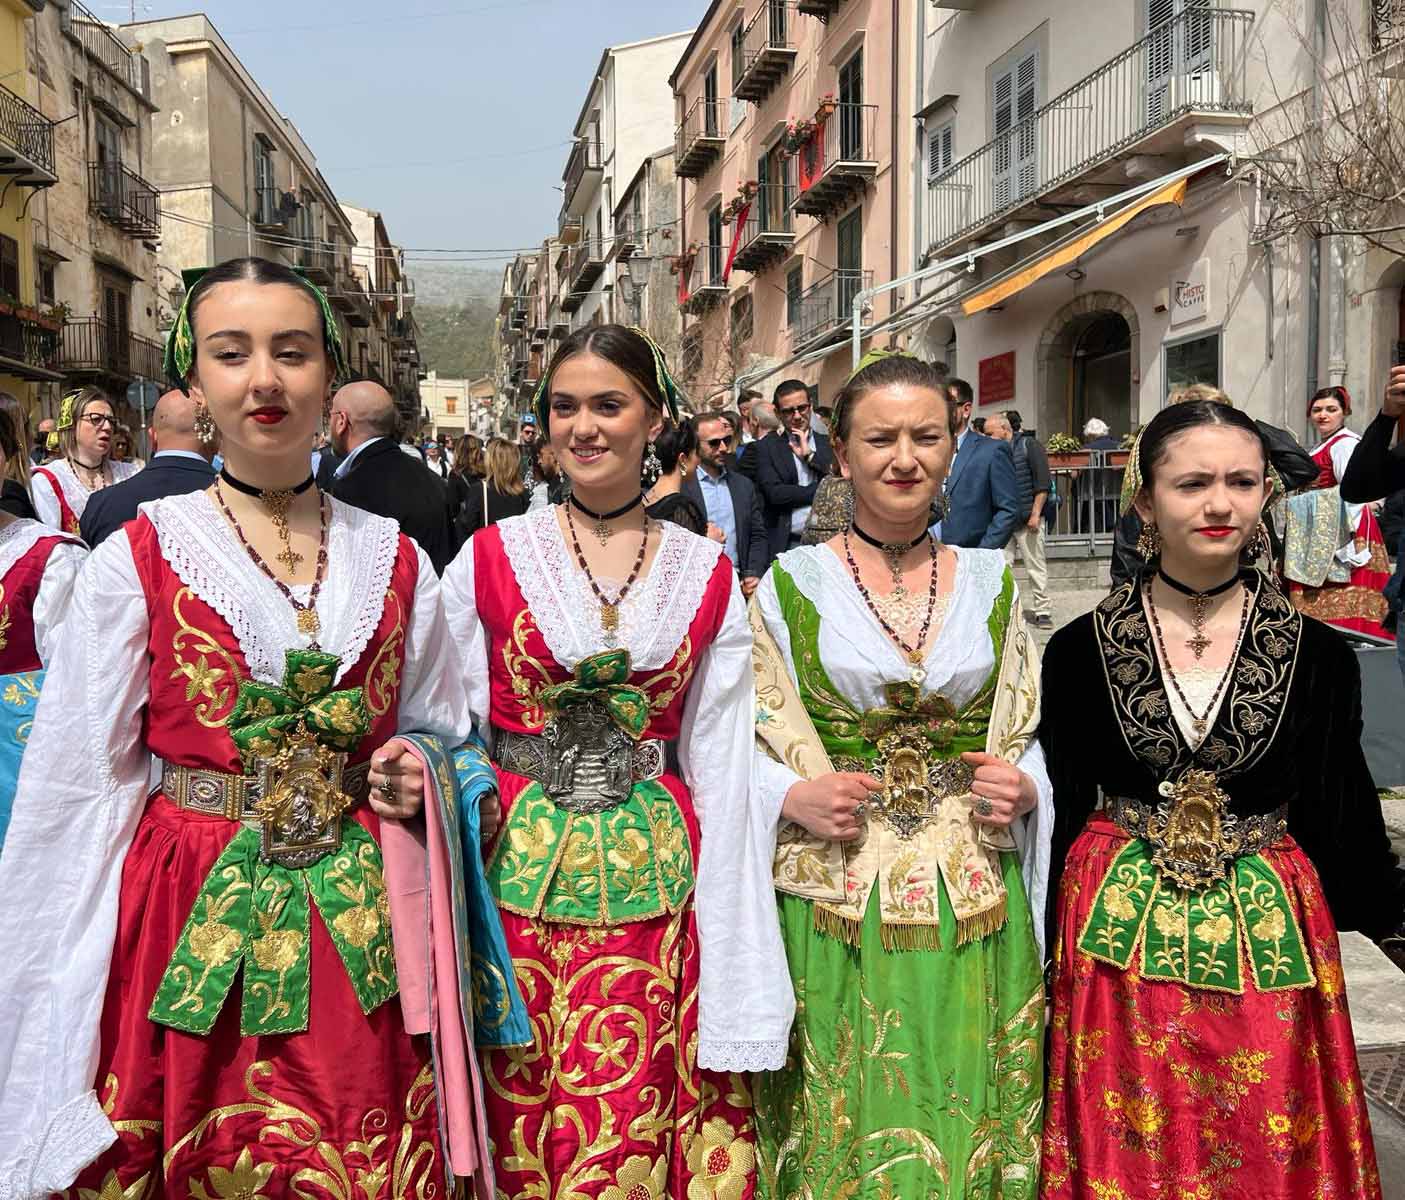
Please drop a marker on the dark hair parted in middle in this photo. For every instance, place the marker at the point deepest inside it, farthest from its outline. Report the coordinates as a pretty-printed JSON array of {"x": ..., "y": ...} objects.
[
  {"x": 619, "y": 346},
  {"x": 1181, "y": 418},
  {"x": 895, "y": 370}
]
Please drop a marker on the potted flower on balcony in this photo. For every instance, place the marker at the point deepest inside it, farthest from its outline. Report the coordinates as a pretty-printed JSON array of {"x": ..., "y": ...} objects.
[
  {"x": 797, "y": 133},
  {"x": 828, "y": 104},
  {"x": 1066, "y": 451},
  {"x": 53, "y": 317},
  {"x": 748, "y": 190},
  {"x": 8, "y": 304}
]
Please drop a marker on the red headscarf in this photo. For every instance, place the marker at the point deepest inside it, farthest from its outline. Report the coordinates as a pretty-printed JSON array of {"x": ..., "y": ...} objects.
[{"x": 1337, "y": 393}]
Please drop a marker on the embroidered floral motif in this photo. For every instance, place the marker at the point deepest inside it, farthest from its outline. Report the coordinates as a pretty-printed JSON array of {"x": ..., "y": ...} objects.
[
  {"x": 245, "y": 1181},
  {"x": 721, "y": 1162}
]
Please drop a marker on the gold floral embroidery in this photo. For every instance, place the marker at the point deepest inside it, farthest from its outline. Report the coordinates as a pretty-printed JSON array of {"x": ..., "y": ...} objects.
[
  {"x": 112, "y": 1189},
  {"x": 245, "y": 1182},
  {"x": 528, "y": 673},
  {"x": 383, "y": 675},
  {"x": 664, "y": 687},
  {"x": 720, "y": 1161},
  {"x": 215, "y": 686},
  {"x": 639, "y": 1179}
]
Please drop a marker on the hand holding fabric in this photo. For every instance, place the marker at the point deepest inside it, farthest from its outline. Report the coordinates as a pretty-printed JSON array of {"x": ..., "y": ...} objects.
[{"x": 397, "y": 782}]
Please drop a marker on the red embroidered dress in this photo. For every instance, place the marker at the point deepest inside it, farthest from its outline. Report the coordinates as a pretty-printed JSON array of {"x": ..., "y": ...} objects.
[
  {"x": 249, "y": 1041},
  {"x": 37, "y": 570},
  {"x": 644, "y": 937},
  {"x": 60, "y": 497}
]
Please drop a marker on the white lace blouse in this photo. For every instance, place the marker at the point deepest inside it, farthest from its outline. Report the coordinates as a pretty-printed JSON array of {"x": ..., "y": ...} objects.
[
  {"x": 745, "y": 1002},
  {"x": 56, "y": 584},
  {"x": 85, "y": 780},
  {"x": 861, "y": 661},
  {"x": 46, "y": 503}
]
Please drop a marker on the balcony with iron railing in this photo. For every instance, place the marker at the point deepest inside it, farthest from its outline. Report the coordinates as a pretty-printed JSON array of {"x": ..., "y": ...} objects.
[
  {"x": 823, "y": 9},
  {"x": 124, "y": 199},
  {"x": 26, "y": 142},
  {"x": 102, "y": 45},
  {"x": 273, "y": 207},
  {"x": 630, "y": 238},
  {"x": 92, "y": 346},
  {"x": 706, "y": 282},
  {"x": 826, "y": 307},
  {"x": 837, "y": 162},
  {"x": 700, "y": 138},
  {"x": 558, "y": 324},
  {"x": 1186, "y": 72},
  {"x": 768, "y": 51},
  {"x": 584, "y": 165},
  {"x": 586, "y": 264},
  {"x": 29, "y": 344},
  {"x": 768, "y": 233},
  {"x": 349, "y": 296},
  {"x": 317, "y": 260}
]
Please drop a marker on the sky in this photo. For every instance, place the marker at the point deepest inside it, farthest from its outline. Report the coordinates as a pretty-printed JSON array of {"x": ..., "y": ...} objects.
[{"x": 451, "y": 117}]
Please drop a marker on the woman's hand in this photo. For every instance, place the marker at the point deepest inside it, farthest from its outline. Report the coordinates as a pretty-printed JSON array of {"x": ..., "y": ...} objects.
[
  {"x": 832, "y": 807},
  {"x": 715, "y": 533},
  {"x": 489, "y": 817},
  {"x": 397, "y": 782},
  {"x": 1003, "y": 792}
]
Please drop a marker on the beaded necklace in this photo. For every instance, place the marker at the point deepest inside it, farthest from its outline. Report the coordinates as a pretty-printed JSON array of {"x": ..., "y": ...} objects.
[
  {"x": 915, "y": 651},
  {"x": 1200, "y": 722},
  {"x": 609, "y": 609}
]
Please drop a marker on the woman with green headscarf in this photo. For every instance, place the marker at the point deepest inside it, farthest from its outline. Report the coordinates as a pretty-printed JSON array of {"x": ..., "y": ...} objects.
[{"x": 897, "y": 697}]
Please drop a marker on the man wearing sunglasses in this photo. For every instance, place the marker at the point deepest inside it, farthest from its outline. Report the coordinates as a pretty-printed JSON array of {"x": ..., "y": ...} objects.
[
  {"x": 729, "y": 499},
  {"x": 789, "y": 467}
]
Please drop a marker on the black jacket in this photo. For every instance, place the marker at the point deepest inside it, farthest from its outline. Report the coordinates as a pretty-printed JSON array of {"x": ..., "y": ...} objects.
[
  {"x": 779, "y": 483},
  {"x": 385, "y": 480},
  {"x": 471, "y": 517},
  {"x": 753, "y": 545},
  {"x": 16, "y": 501},
  {"x": 112, "y": 507}
]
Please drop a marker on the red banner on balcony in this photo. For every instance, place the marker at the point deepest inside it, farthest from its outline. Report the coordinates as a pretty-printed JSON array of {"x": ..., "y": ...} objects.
[
  {"x": 685, "y": 271},
  {"x": 736, "y": 240},
  {"x": 811, "y": 164}
]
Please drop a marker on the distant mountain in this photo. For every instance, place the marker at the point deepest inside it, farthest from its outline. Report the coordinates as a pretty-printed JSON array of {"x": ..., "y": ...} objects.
[
  {"x": 453, "y": 283},
  {"x": 457, "y": 339}
]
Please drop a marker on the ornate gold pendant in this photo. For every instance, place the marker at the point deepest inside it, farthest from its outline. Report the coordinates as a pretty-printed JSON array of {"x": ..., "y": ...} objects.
[
  {"x": 1193, "y": 835},
  {"x": 610, "y": 619},
  {"x": 309, "y": 624},
  {"x": 601, "y": 532},
  {"x": 302, "y": 801}
]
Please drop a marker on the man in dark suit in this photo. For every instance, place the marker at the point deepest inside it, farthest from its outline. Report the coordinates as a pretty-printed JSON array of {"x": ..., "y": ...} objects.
[
  {"x": 375, "y": 474},
  {"x": 789, "y": 467},
  {"x": 729, "y": 500},
  {"x": 180, "y": 463},
  {"x": 982, "y": 494}
]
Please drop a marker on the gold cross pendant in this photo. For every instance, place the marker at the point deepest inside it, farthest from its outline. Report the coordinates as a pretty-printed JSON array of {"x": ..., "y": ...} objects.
[
  {"x": 290, "y": 558},
  {"x": 1198, "y": 644}
]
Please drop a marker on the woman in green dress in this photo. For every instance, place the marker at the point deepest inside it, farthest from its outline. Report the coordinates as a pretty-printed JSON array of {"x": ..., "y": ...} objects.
[{"x": 897, "y": 698}]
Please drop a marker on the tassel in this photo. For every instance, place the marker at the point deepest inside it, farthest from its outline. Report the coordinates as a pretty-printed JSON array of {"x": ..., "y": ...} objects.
[
  {"x": 911, "y": 937},
  {"x": 982, "y": 924},
  {"x": 829, "y": 923}
]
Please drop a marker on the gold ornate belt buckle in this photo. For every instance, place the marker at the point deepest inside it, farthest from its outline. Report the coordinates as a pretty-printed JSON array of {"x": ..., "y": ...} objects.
[
  {"x": 301, "y": 802},
  {"x": 589, "y": 759},
  {"x": 914, "y": 783},
  {"x": 1193, "y": 835}
]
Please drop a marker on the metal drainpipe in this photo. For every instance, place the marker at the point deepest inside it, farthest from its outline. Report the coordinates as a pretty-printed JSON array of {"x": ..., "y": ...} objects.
[
  {"x": 919, "y": 139},
  {"x": 1314, "y": 252},
  {"x": 893, "y": 170}
]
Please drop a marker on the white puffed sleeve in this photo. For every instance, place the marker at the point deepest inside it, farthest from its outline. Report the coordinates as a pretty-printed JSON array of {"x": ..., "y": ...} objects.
[
  {"x": 55, "y": 592},
  {"x": 46, "y": 501},
  {"x": 434, "y": 692},
  {"x": 745, "y": 1002},
  {"x": 470, "y": 639},
  {"x": 774, "y": 779},
  {"x": 1034, "y": 836},
  {"x": 1349, "y": 553},
  {"x": 81, "y": 793}
]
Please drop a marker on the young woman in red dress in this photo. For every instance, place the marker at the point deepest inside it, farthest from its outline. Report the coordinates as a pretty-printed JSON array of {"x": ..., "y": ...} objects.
[
  {"x": 197, "y": 974},
  {"x": 610, "y": 655}
]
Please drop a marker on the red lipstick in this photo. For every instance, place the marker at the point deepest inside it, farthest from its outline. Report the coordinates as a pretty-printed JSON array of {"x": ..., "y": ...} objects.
[{"x": 269, "y": 415}]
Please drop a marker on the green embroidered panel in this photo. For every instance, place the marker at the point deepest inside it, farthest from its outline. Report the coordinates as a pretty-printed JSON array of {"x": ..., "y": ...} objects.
[
  {"x": 628, "y": 864},
  {"x": 1198, "y": 938},
  {"x": 256, "y": 915}
]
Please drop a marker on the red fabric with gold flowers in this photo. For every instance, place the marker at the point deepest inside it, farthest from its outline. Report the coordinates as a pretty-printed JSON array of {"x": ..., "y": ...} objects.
[
  {"x": 1177, "y": 1093},
  {"x": 608, "y": 1101},
  {"x": 18, "y": 592},
  {"x": 346, "y": 1108}
]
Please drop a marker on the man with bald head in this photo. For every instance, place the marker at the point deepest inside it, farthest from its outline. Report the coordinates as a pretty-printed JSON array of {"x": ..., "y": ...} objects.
[
  {"x": 374, "y": 475},
  {"x": 179, "y": 463}
]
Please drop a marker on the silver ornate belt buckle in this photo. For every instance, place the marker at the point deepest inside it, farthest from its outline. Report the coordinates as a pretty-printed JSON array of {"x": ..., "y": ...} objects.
[
  {"x": 301, "y": 802},
  {"x": 914, "y": 783},
  {"x": 1193, "y": 835},
  {"x": 589, "y": 759}
]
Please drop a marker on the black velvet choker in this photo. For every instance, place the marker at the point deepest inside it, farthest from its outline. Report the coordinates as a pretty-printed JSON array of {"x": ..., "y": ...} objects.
[{"x": 250, "y": 490}]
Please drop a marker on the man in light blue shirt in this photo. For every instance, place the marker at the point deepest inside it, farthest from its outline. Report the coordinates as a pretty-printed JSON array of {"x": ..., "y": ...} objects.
[{"x": 729, "y": 499}]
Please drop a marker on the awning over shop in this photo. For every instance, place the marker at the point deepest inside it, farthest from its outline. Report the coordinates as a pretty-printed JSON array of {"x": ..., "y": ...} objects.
[{"x": 1070, "y": 251}]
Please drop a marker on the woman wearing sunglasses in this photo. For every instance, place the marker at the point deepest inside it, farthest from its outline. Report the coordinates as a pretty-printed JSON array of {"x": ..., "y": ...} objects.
[{"x": 84, "y": 442}]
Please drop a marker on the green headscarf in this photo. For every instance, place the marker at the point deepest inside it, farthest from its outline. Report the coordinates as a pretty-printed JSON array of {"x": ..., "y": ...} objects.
[{"x": 180, "y": 342}]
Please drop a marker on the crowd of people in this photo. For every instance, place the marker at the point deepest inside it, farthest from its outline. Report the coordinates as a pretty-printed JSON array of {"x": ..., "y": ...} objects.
[{"x": 672, "y": 806}]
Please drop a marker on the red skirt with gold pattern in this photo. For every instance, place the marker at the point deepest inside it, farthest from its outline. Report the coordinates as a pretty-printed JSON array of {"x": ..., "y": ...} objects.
[{"x": 1158, "y": 1091}]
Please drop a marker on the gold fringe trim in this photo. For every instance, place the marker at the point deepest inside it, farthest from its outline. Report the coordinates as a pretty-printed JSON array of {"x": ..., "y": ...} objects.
[
  {"x": 982, "y": 924},
  {"x": 829, "y": 923},
  {"x": 911, "y": 937}
]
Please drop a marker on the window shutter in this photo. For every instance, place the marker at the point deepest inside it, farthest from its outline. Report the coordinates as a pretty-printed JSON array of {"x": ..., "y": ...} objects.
[
  {"x": 1003, "y": 109},
  {"x": 939, "y": 150},
  {"x": 1026, "y": 103}
]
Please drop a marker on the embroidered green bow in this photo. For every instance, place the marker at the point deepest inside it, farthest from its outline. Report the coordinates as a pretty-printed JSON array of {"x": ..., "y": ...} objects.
[
  {"x": 604, "y": 677},
  {"x": 264, "y": 716},
  {"x": 907, "y": 707}
]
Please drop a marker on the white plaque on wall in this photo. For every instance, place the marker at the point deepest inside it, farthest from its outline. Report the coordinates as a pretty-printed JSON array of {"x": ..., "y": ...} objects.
[{"x": 1190, "y": 294}]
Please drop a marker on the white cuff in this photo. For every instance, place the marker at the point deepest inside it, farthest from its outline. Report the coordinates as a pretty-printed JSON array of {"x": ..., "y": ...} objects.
[
  {"x": 740, "y": 1056},
  {"x": 75, "y": 1136}
]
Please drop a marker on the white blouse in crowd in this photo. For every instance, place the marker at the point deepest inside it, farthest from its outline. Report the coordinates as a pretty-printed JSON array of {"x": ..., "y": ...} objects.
[
  {"x": 1341, "y": 446},
  {"x": 56, "y": 584},
  {"x": 861, "y": 661},
  {"x": 745, "y": 1001},
  {"x": 85, "y": 780},
  {"x": 46, "y": 503}
]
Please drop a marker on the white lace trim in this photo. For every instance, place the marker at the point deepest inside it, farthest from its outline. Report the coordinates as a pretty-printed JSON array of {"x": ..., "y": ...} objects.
[
  {"x": 74, "y": 1137},
  {"x": 75, "y": 495},
  {"x": 741, "y": 1056},
  {"x": 18, "y": 538},
  {"x": 204, "y": 551},
  {"x": 655, "y": 615}
]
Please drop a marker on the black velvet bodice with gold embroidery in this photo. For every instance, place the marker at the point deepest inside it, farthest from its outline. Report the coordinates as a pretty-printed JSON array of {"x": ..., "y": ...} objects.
[{"x": 1288, "y": 733}]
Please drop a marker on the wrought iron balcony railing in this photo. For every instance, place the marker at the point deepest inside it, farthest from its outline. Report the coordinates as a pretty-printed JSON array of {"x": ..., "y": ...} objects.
[
  {"x": 585, "y": 160},
  {"x": 768, "y": 51},
  {"x": 1387, "y": 24},
  {"x": 768, "y": 232},
  {"x": 586, "y": 264},
  {"x": 100, "y": 43},
  {"x": 707, "y": 284},
  {"x": 699, "y": 139},
  {"x": 29, "y": 135},
  {"x": 837, "y": 162},
  {"x": 827, "y": 306},
  {"x": 1194, "y": 63},
  {"x": 93, "y": 346},
  {"x": 318, "y": 259},
  {"x": 125, "y": 199}
]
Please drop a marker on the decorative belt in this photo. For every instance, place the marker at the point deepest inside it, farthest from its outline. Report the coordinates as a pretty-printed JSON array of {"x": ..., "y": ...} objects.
[
  {"x": 297, "y": 804},
  {"x": 915, "y": 781},
  {"x": 583, "y": 760},
  {"x": 1193, "y": 835}
]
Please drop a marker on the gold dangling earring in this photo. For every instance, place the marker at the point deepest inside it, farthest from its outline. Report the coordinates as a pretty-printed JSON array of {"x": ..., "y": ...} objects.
[
  {"x": 1149, "y": 541},
  {"x": 205, "y": 426}
]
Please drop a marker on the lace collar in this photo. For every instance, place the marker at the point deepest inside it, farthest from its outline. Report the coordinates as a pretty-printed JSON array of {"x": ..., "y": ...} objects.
[
  {"x": 18, "y": 538},
  {"x": 204, "y": 552},
  {"x": 1249, "y": 714},
  {"x": 75, "y": 495},
  {"x": 656, "y": 614}
]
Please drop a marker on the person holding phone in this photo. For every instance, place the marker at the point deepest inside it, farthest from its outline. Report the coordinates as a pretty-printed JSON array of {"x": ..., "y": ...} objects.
[{"x": 789, "y": 467}]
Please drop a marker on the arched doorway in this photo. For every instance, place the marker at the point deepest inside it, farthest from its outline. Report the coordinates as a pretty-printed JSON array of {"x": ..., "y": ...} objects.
[{"x": 1087, "y": 355}]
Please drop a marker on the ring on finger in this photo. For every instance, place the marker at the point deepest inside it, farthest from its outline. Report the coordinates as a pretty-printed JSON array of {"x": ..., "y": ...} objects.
[
  {"x": 984, "y": 807},
  {"x": 860, "y": 810}
]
